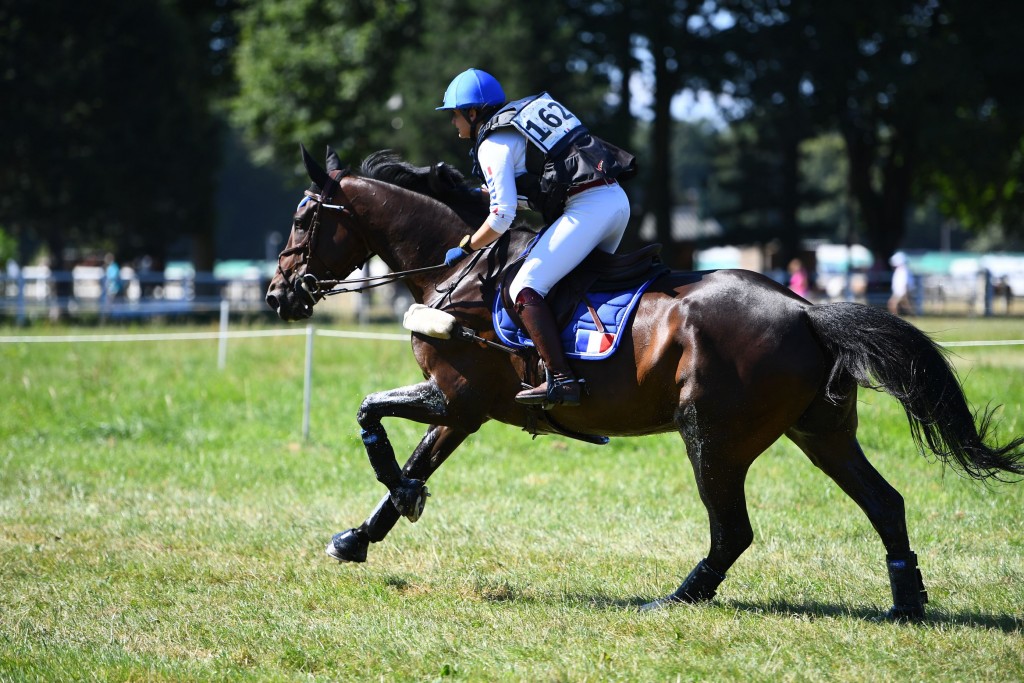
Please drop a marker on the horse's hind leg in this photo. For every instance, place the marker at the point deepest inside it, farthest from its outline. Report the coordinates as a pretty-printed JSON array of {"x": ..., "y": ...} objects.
[
  {"x": 720, "y": 464},
  {"x": 835, "y": 450}
]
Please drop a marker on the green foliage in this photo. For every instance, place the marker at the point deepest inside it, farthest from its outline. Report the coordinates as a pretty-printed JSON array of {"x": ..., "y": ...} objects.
[
  {"x": 8, "y": 246},
  {"x": 106, "y": 127},
  {"x": 317, "y": 73},
  {"x": 161, "y": 520},
  {"x": 113, "y": 111},
  {"x": 922, "y": 94},
  {"x": 503, "y": 38},
  {"x": 364, "y": 76}
]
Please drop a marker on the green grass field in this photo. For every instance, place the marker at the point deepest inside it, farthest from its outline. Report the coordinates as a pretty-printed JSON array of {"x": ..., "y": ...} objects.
[{"x": 163, "y": 520}]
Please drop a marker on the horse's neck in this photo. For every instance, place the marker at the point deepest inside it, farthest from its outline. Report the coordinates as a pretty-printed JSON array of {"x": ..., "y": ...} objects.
[
  {"x": 405, "y": 229},
  {"x": 408, "y": 231}
]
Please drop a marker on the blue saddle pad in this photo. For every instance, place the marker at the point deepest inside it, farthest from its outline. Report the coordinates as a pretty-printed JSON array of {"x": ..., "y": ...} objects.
[{"x": 581, "y": 337}]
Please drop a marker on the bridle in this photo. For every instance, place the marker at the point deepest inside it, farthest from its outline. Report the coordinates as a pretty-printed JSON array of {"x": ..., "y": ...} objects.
[
  {"x": 308, "y": 285},
  {"x": 311, "y": 288}
]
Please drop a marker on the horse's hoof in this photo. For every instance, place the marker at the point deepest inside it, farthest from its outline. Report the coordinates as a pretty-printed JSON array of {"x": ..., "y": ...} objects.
[
  {"x": 660, "y": 603},
  {"x": 905, "y": 615},
  {"x": 347, "y": 546},
  {"x": 410, "y": 498}
]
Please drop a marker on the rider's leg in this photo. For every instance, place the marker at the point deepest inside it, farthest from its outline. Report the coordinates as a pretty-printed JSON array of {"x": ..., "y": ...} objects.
[
  {"x": 563, "y": 388},
  {"x": 594, "y": 219}
]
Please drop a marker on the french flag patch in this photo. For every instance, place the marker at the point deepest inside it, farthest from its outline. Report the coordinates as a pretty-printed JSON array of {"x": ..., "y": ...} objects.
[{"x": 593, "y": 343}]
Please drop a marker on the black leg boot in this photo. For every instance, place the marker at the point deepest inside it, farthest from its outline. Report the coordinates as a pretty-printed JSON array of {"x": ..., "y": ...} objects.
[
  {"x": 562, "y": 388},
  {"x": 908, "y": 593}
]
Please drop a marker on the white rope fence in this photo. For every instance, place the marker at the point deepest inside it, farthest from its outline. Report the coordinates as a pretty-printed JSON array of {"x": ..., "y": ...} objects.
[
  {"x": 999, "y": 342},
  {"x": 224, "y": 334}
]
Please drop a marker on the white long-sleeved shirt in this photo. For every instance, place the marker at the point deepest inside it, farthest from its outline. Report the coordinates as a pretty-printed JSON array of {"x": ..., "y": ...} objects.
[{"x": 502, "y": 158}]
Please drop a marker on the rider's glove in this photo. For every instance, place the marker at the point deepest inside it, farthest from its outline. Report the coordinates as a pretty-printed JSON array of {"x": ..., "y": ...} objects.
[{"x": 456, "y": 254}]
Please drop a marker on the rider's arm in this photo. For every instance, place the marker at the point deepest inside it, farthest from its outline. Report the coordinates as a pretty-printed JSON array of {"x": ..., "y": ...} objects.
[{"x": 498, "y": 156}]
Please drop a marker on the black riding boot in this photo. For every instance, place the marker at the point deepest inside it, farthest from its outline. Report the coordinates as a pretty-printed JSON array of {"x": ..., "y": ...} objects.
[
  {"x": 908, "y": 593},
  {"x": 562, "y": 388}
]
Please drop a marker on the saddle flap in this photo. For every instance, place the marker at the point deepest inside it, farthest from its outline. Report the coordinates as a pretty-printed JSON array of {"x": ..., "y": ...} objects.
[{"x": 593, "y": 329}]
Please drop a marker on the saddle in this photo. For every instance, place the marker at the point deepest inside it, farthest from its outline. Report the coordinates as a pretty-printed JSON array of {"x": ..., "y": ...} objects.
[{"x": 598, "y": 272}]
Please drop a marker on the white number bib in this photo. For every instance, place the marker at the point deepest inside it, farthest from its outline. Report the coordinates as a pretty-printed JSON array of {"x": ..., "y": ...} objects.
[{"x": 545, "y": 122}]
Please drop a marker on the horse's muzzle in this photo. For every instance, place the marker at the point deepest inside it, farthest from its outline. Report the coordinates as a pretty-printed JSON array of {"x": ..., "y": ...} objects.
[{"x": 288, "y": 304}]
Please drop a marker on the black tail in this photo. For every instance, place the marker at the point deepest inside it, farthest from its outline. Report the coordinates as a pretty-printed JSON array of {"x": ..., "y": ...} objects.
[{"x": 881, "y": 351}]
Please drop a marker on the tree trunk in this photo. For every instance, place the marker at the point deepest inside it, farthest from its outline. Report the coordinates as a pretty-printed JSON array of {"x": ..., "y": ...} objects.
[
  {"x": 883, "y": 210},
  {"x": 659, "y": 198},
  {"x": 789, "y": 233}
]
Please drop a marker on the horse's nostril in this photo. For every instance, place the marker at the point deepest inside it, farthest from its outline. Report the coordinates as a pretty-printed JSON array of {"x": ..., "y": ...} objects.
[{"x": 273, "y": 302}]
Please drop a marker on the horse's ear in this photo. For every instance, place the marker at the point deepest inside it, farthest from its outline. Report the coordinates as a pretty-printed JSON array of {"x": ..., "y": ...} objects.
[
  {"x": 316, "y": 173},
  {"x": 444, "y": 178},
  {"x": 333, "y": 162},
  {"x": 433, "y": 180}
]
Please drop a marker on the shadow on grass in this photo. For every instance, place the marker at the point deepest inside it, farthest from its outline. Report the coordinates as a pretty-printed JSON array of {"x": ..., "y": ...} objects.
[
  {"x": 505, "y": 593},
  {"x": 1007, "y": 623}
]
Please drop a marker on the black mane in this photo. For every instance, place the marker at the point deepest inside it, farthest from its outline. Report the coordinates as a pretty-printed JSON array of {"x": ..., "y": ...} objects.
[
  {"x": 388, "y": 166},
  {"x": 441, "y": 181}
]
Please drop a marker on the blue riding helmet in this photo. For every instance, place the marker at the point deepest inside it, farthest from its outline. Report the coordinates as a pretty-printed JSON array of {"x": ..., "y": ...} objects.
[{"x": 473, "y": 88}]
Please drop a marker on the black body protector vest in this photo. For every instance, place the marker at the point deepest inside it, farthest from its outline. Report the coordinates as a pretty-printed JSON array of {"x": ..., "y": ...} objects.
[{"x": 562, "y": 153}]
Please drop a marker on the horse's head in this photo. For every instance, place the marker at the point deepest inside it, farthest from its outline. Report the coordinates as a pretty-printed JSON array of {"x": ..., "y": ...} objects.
[{"x": 323, "y": 244}]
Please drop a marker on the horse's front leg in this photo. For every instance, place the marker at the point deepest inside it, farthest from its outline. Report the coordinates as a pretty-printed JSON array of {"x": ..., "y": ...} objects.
[{"x": 423, "y": 402}]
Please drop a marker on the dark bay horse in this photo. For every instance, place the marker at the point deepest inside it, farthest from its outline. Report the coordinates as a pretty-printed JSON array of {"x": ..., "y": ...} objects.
[{"x": 728, "y": 359}]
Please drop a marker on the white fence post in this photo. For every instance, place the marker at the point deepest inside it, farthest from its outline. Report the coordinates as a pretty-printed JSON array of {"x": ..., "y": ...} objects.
[
  {"x": 307, "y": 384},
  {"x": 222, "y": 343},
  {"x": 22, "y": 319}
]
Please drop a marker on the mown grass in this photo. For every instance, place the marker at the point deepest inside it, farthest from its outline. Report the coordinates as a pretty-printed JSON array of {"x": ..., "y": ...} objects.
[{"x": 163, "y": 520}]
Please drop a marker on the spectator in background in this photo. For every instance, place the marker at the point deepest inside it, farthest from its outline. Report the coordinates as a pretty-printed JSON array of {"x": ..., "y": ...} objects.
[
  {"x": 112, "y": 283},
  {"x": 902, "y": 285},
  {"x": 799, "y": 281}
]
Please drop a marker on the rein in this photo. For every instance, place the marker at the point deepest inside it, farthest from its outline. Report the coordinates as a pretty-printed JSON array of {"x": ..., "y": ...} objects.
[{"x": 385, "y": 279}]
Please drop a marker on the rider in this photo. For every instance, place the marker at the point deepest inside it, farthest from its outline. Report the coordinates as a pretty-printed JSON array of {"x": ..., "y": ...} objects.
[{"x": 537, "y": 149}]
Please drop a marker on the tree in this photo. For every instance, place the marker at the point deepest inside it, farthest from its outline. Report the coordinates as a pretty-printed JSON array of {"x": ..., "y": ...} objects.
[
  {"x": 765, "y": 70},
  {"x": 978, "y": 170},
  {"x": 363, "y": 76},
  {"x": 318, "y": 73},
  {"x": 107, "y": 138},
  {"x": 922, "y": 103},
  {"x": 673, "y": 37},
  {"x": 920, "y": 91},
  {"x": 504, "y": 39}
]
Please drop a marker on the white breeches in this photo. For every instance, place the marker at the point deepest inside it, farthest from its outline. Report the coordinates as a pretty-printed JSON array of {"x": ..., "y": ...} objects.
[{"x": 593, "y": 219}]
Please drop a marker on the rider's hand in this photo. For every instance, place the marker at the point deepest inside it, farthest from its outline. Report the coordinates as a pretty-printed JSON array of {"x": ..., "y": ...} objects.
[{"x": 454, "y": 255}]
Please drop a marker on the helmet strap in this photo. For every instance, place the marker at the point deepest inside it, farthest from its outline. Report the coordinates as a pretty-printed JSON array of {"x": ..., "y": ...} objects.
[{"x": 480, "y": 117}]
